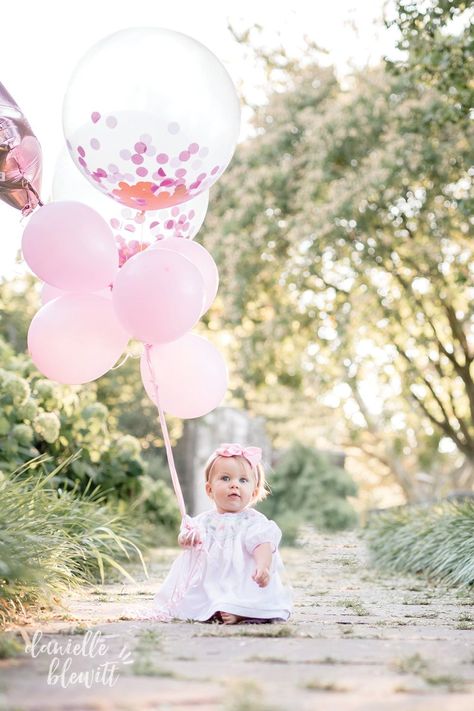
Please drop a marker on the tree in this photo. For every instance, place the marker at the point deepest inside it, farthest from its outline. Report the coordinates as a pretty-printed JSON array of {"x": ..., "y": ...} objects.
[
  {"x": 438, "y": 45},
  {"x": 341, "y": 233}
]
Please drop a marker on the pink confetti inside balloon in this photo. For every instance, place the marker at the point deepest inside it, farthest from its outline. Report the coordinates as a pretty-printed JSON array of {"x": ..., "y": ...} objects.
[{"x": 70, "y": 184}]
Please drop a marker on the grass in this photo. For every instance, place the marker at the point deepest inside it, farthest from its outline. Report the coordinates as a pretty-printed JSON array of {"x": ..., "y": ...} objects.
[
  {"x": 409, "y": 601},
  {"x": 451, "y": 683},
  {"x": 246, "y": 695},
  {"x": 243, "y": 631},
  {"x": 267, "y": 660},
  {"x": 148, "y": 640},
  {"x": 416, "y": 664},
  {"x": 413, "y": 664},
  {"x": 317, "y": 685},
  {"x": 146, "y": 667},
  {"x": 54, "y": 540},
  {"x": 78, "y": 630},
  {"x": 354, "y": 605},
  {"x": 434, "y": 540},
  {"x": 257, "y": 658},
  {"x": 348, "y": 562},
  {"x": 10, "y": 647}
]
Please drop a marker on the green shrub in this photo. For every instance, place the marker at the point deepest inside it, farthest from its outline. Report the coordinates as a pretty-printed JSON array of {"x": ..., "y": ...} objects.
[
  {"x": 52, "y": 540},
  {"x": 436, "y": 541},
  {"x": 308, "y": 487},
  {"x": 42, "y": 417}
]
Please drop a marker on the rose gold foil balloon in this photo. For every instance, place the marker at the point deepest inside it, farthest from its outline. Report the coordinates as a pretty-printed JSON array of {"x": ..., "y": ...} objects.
[{"x": 20, "y": 157}]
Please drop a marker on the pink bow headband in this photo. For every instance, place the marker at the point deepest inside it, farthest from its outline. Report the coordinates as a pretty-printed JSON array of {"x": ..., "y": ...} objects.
[{"x": 252, "y": 454}]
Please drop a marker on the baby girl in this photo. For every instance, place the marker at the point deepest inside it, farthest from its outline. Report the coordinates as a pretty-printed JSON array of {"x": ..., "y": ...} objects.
[{"x": 230, "y": 568}]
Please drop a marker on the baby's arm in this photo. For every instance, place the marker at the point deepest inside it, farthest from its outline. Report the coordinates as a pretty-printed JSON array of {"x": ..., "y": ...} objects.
[{"x": 263, "y": 559}]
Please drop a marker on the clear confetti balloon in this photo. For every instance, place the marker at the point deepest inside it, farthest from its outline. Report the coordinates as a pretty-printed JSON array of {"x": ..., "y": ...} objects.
[
  {"x": 151, "y": 117},
  {"x": 184, "y": 220}
]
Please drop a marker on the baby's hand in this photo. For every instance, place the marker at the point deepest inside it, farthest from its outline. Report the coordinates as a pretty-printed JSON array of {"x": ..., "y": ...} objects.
[
  {"x": 188, "y": 539},
  {"x": 261, "y": 577}
]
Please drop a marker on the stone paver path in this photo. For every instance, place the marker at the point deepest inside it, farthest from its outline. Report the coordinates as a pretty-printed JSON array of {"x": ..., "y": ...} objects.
[{"x": 357, "y": 640}]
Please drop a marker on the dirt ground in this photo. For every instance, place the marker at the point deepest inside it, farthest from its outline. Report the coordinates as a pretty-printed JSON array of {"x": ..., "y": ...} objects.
[{"x": 357, "y": 640}]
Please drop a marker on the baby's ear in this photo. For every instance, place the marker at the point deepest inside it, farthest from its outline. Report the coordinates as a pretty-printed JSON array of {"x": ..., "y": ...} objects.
[{"x": 208, "y": 489}]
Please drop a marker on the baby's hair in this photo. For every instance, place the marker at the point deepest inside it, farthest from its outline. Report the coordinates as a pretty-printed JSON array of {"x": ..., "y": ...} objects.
[{"x": 258, "y": 472}]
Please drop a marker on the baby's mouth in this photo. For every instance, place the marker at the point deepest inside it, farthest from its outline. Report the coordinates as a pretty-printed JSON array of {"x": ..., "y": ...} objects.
[{"x": 234, "y": 496}]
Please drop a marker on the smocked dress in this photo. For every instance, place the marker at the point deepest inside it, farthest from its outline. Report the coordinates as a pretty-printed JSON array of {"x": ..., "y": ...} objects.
[{"x": 217, "y": 576}]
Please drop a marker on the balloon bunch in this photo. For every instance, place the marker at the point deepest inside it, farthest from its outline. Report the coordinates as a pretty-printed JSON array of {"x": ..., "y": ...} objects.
[
  {"x": 93, "y": 307},
  {"x": 150, "y": 142}
]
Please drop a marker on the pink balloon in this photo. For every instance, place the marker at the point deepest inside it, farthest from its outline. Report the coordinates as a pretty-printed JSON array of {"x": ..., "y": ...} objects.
[
  {"x": 158, "y": 295},
  {"x": 76, "y": 338},
  {"x": 70, "y": 246},
  {"x": 20, "y": 157},
  {"x": 190, "y": 373},
  {"x": 201, "y": 258},
  {"x": 48, "y": 293}
]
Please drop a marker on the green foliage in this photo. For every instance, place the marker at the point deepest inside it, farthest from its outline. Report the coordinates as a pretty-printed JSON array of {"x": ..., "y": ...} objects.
[
  {"x": 120, "y": 390},
  {"x": 432, "y": 540},
  {"x": 51, "y": 541},
  {"x": 38, "y": 416},
  {"x": 157, "y": 503},
  {"x": 438, "y": 44},
  {"x": 42, "y": 417},
  {"x": 307, "y": 487},
  {"x": 10, "y": 646},
  {"x": 341, "y": 235}
]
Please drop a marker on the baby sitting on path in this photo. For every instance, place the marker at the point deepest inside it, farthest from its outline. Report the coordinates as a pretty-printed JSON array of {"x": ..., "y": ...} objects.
[{"x": 230, "y": 568}]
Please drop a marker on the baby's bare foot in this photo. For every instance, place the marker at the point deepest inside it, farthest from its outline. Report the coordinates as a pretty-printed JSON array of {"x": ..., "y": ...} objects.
[{"x": 229, "y": 619}]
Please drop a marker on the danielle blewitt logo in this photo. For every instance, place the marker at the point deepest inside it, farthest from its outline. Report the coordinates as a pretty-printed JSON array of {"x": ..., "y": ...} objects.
[{"x": 92, "y": 646}]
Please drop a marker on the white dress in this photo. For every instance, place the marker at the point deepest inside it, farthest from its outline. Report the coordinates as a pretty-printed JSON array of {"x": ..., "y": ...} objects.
[{"x": 218, "y": 575}]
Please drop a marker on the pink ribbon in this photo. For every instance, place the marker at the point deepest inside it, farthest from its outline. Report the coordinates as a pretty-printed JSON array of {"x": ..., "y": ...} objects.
[
  {"x": 232, "y": 449},
  {"x": 164, "y": 429}
]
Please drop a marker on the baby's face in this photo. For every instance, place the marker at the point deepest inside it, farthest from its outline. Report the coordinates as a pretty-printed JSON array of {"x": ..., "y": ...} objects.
[{"x": 232, "y": 485}]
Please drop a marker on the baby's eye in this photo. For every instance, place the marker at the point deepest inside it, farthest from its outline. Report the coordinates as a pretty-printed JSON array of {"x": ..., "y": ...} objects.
[
  {"x": 244, "y": 480},
  {"x": 225, "y": 477}
]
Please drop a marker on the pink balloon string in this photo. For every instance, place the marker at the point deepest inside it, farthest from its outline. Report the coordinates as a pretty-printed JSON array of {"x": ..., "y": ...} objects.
[{"x": 164, "y": 429}]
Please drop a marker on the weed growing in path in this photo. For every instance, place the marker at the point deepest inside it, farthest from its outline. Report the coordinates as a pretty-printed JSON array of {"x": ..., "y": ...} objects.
[
  {"x": 246, "y": 695},
  {"x": 317, "y": 685},
  {"x": 413, "y": 664},
  {"x": 354, "y": 605}
]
